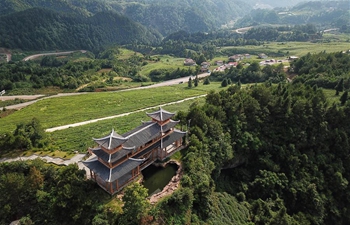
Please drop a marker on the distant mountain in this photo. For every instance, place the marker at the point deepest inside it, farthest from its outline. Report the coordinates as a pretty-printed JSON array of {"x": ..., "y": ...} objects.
[
  {"x": 188, "y": 15},
  {"x": 269, "y": 4},
  {"x": 81, "y": 7},
  {"x": 325, "y": 14},
  {"x": 92, "y": 23},
  {"x": 44, "y": 29},
  {"x": 165, "y": 16}
]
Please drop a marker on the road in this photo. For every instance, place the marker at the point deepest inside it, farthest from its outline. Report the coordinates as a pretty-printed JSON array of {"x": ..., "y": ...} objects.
[
  {"x": 172, "y": 82},
  {"x": 25, "y": 97},
  {"x": 161, "y": 84},
  {"x": 53, "y": 53},
  {"x": 243, "y": 30}
]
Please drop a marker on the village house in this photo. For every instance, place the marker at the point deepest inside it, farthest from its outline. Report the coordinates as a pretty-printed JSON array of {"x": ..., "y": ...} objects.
[
  {"x": 205, "y": 66},
  {"x": 292, "y": 58},
  {"x": 262, "y": 56},
  {"x": 189, "y": 62},
  {"x": 219, "y": 63},
  {"x": 235, "y": 58}
]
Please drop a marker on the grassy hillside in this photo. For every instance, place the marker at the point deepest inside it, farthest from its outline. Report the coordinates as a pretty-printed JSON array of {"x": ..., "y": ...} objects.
[{"x": 65, "y": 110}]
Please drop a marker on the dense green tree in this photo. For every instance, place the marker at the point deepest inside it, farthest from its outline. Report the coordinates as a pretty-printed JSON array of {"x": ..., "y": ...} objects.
[
  {"x": 136, "y": 205},
  {"x": 283, "y": 139}
]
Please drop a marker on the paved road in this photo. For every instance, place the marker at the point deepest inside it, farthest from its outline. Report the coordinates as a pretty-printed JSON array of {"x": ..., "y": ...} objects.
[
  {"x": 22, "y": 105},
  {"x": 53, "y": 53},
  {"x": 26, "y": 97},
  {"x": 243, "y": 30},
  {"x": 165, "y": 83}
]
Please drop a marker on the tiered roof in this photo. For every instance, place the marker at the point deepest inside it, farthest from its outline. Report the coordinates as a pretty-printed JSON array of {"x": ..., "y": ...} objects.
[
  {"x": 111, "y": 158},
  {"x": 112, "y": 174},
  {"x": 169, "y": 125},
  {"x": 176, "y": 135},
  {"x": 111, "y": 141},
  {"x": 161, "y": 115}
]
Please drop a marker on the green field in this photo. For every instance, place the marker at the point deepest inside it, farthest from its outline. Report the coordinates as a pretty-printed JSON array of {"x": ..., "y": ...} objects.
[
  {"x": 292, "y": 48},
  {"x": 60, "y": 111},
  {"x": 126, "y": 53},
  {"x": 80, "y": 138},
  {"x": 165, "y": 62}
]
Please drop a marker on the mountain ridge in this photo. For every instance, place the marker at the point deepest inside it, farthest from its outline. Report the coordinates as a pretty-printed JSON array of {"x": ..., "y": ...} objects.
[{"x": 44, "y": 29}]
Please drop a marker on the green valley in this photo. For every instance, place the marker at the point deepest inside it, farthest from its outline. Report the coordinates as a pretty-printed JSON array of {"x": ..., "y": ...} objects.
[{"x": 253, "y": 105}]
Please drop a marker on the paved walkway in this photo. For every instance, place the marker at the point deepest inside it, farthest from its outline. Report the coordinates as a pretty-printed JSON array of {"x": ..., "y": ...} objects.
[{"x": 78, "y": 158}]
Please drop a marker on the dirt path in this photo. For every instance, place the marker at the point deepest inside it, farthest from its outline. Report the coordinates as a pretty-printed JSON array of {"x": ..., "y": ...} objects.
[{"x": 116, "y": 116}]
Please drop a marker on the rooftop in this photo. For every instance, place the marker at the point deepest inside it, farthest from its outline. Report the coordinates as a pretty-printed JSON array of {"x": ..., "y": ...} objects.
[
  {"x": 111, "y": 141},
  {"x": 161, "y": 115}
]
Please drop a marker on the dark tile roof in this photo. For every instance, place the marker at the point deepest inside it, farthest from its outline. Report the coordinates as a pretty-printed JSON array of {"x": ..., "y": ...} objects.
[
  {"x": 148, "y": 149},
  {"x": 174, "y": 136},
  {"x": 143, "y": 125},
  {"x": 111, "y": 141},
  {"x": 169, "y": 125},
  {"x": 142, "y": 135},
  {"x": 110, "y": 175},
  {"x": 111, "y": 157},
  {"x": 161, "y": 115}
]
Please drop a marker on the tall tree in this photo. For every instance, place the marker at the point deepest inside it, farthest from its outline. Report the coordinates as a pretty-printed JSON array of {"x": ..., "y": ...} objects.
[
  {"x": 344, "y": 98},
  {"x": 190, "y": 82},
  {"x": 196, "y": 81},
  {"x": 339, "y": 87}
]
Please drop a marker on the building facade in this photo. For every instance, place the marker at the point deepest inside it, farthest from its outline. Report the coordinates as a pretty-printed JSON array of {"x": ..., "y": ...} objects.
[{"x": 120, "y": 158}]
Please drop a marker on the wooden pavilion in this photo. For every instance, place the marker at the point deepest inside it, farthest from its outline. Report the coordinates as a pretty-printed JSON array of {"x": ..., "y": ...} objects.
[{"x": 120, "y": 158}]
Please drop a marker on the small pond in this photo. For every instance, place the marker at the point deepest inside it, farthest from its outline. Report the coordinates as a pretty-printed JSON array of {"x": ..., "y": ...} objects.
[{"x": 156, "y": 178}]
